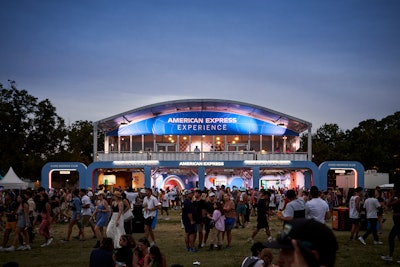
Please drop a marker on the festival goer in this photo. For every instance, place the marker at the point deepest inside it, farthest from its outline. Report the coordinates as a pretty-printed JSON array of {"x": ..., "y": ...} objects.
[
  {"x": 86, "y": 212},
  {"x": 294, "y": 209},
  {"x": 22, "y": 225},
  {"x": 103, "y": 256},
  {"x": 200, "y": 213},
  {"x": 44, "y": 208},
  {"x": 140, "y": 252},
  {"x": 10, "y": 207},
  {"x": 164, "y": 199},
  {"x": 127, "y": 208},
  {"x": 371, "y": 205},
  {"x": 262, "y": 215},
  {"x": 209, "y": 209},
  {"x": 354, "y": 212},
  {"x": 304, "y": 242},
  {"x": 394, "y": 203},
  {"x": 267, "y": 256},
  {"x": 316, "y": 208},
  {"x": 32, "y": 214},
  {"x": 219, "y": 226},
  {"x": 115, "y": 227},
  {"x": 188, "y": 211},
  {"x": 101, "y": 214},
  {"x": 154, "y": 258},
  {"x": 241, "y": 200},
  {"x": 255, "y": 259},
  {"x": 150, "y": 207},
  {"x": 123, "y": 256},
  {"x": 76, "y": 217},
  {"x": 230, "y": 217}
]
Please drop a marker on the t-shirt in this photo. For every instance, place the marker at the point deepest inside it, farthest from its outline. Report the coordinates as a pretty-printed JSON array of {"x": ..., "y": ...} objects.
[
  {"x": 316, "y": 209},
  {"x": 187, "y": 208},
  {"x": 371, "y": 206},
  {"x": 150, "y": 203},
  {"x": 86, "y": 201}
]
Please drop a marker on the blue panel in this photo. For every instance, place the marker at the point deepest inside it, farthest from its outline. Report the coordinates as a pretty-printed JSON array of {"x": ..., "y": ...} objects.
[{"x": 202, "y": 123}]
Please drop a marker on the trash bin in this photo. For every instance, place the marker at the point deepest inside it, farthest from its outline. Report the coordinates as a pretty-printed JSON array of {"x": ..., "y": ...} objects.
[{"x": 340, "y": 219}]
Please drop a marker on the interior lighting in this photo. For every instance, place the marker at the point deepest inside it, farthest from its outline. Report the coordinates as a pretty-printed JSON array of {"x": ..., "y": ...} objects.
[{"x": 237, "y": 138}]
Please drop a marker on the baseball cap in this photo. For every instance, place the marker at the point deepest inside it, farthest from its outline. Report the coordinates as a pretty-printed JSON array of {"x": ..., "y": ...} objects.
[
  {"x": 211, "y": 194},
  {"x": 310, "y": 235}
]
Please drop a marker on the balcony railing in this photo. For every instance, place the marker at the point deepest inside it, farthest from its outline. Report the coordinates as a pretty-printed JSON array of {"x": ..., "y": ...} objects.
[{"x": 205, "y": 156}]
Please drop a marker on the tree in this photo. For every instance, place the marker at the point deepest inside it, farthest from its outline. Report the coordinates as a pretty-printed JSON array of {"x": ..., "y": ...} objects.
[
  {"x": 80, "y": 141},
  {"x": 32, "y": 133}
]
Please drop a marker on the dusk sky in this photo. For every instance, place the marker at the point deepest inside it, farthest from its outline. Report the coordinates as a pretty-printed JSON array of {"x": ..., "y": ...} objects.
[{"x": 320, "y": 61}]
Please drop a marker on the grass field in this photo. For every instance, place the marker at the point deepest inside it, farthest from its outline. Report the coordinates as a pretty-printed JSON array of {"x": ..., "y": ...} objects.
[{"x": 169, "y": 237}]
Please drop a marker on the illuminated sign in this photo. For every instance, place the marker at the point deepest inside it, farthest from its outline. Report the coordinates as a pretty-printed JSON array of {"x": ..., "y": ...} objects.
[
  {"x": 267, "y": 162},
  {"x": 201, "y": 123},
  {"x": 201, "y": 163}
]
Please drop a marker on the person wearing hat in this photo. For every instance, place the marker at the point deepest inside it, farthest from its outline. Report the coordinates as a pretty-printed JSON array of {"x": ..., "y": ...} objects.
[
  {"x": 188, "y": 213},
  {"x": 305, "y": 242},
  {"x": 115, "y": 227}
]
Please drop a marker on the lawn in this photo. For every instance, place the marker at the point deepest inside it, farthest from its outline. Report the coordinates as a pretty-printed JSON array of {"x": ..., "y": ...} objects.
[{"x": 169, "y": 237}]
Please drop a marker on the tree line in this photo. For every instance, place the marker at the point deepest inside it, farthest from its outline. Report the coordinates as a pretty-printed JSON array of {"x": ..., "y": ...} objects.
[{"x": 32, "y": 134}]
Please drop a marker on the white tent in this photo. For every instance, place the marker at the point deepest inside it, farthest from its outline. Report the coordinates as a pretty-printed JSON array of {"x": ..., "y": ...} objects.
[{"x": 12, "y": 181}]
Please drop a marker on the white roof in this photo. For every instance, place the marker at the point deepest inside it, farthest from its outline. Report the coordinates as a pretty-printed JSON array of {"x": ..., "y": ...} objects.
[{"x": 12, "y": 181}]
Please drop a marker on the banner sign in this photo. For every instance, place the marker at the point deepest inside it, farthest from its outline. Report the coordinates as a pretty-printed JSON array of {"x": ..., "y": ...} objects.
[{"x": 202, "y": 123}]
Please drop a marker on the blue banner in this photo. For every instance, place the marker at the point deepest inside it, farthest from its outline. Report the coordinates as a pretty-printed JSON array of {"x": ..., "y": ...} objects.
[{"x": 202, "y": 123}]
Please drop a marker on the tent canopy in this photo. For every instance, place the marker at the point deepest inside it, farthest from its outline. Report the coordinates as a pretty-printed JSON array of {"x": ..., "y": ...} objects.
[{"x": 12, "y": 181}]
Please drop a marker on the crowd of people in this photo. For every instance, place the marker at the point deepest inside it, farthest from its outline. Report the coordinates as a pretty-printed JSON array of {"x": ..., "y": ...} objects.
[{"x": 208, "y": 217}]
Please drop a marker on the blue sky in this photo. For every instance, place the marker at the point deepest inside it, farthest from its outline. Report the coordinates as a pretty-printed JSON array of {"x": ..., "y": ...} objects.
[{"x": 320, "y": 61}]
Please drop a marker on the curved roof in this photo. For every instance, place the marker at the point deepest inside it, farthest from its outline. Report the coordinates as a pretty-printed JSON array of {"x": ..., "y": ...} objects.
[{"x": 222, "y": 105}]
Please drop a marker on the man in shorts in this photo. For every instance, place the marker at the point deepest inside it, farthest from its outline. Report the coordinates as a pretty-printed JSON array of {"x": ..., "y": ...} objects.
[
  {"x": 150, "y": 207},
  {"x": 188, "y": 211},
  {"x": 86, "y": 211},
  {"x": 10, "y": 208},
  {"x": 354, "y": 212}
]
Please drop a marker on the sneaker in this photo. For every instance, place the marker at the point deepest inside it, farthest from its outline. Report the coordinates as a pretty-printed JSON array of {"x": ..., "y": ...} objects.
[
  {"x": 270, "y": 239},
  {"x": 196, "y": 263},
  {"x": 362, "y": 241},
  {"x": 193, "y": 250},
  {"x": 10, "y": 249},
  {"x": 44, "y": 244},
  {"x": 21, "y": 247},
  {"x": 49, "y": 241},
  {"x": 387, "y": 258},
  {"x": 378, "y": 242},
  {"x": 27, "y": 247},
  {"x": 250, "y": 240},
  {"x": 203, "y": 245}
]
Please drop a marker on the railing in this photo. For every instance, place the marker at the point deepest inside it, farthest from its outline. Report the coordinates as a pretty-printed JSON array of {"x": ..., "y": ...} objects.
[{"x": 206, "y": 156}]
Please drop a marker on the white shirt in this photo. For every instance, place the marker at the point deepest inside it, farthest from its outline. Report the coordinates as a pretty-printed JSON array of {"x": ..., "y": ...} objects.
[
  {"x": 371, "y": 206},
  {"x": 353, "y": 213},
  {"x": 131, "y": 196},
  {"x": 85, "y": 201},
  {"x": 149, "y": 203},
  {"x": 316, "y": 209}
]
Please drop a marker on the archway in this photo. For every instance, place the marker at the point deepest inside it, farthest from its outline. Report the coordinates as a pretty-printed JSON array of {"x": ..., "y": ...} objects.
[
  {"x": 356, "y": 166},
  {"x": 50, "y": 167}
]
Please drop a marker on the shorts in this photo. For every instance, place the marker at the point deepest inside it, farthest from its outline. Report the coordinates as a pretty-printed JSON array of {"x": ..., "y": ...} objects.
[
  {"x": 190, "y": 228},
  {"x": 86, "y": 220},
  {"x": 241, "y": 209},
  {"x": 148, "y": 221},
  {"x": 11, "y": 225},
  {"x": 229, "y": 223},
  {"x": 199, "y": 227},
  {"x": 263, "y": 224},
  {"x": 354, "y": 221}
]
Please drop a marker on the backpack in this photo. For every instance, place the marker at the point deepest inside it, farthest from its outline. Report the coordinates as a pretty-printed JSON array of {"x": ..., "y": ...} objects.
[{"x": 250, "y": 261}]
